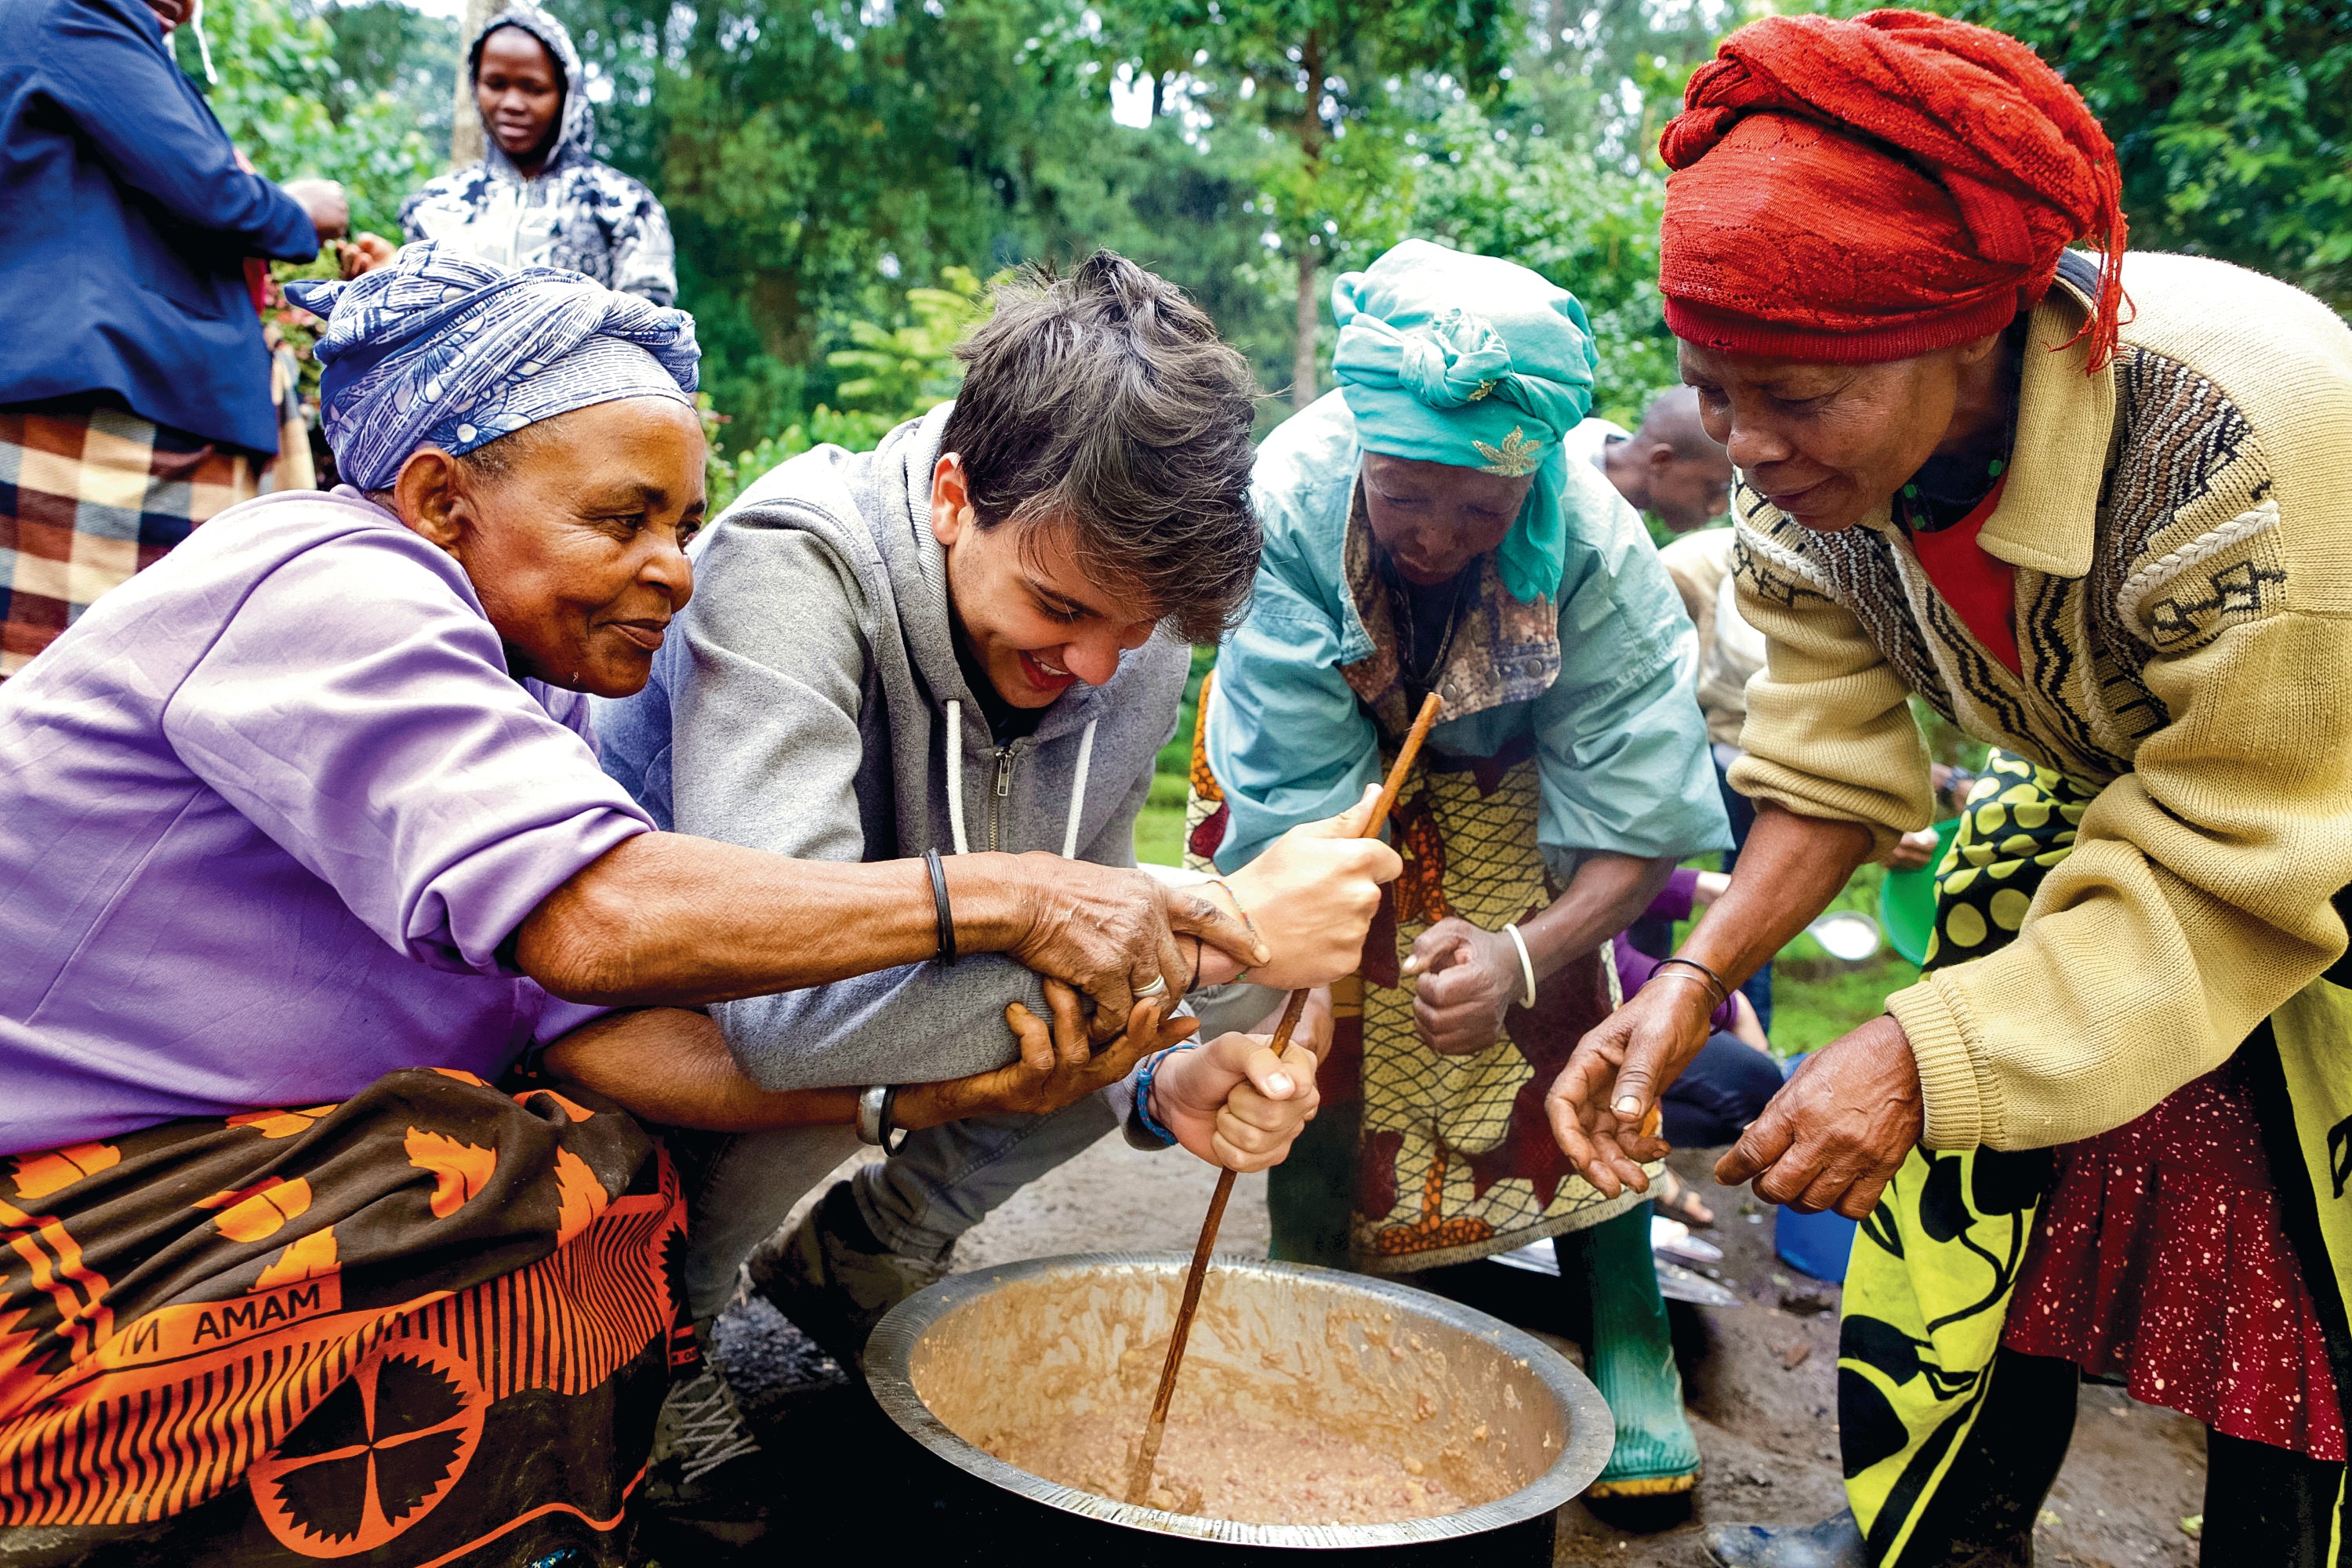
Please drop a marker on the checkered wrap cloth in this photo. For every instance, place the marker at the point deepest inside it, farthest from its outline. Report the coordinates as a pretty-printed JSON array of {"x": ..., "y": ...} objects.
[{"x": 89, "y": 496}]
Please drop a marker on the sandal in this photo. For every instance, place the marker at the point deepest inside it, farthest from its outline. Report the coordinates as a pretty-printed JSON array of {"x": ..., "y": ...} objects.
[{"x": 1676, "y": 1201}]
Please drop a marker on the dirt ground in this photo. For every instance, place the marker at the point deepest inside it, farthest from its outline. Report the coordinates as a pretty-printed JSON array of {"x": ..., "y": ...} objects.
[{"x": 1761, "y": 1377}]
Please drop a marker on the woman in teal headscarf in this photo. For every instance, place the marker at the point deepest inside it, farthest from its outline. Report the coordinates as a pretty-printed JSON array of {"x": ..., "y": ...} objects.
[{"x": 1425, "y": 532}]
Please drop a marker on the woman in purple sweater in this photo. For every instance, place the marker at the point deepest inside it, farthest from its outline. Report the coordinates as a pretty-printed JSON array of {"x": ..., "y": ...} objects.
[{"x": 304, "y": 845}]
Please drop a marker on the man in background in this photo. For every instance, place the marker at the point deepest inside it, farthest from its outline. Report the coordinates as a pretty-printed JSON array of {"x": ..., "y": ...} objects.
[
  {"x": 1669, "y": 468},
  {"x": 134, "y": 384}
]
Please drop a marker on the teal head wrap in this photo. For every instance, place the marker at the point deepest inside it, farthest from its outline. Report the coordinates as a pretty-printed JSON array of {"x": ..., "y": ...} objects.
[{"x": 1474, "y": 362}]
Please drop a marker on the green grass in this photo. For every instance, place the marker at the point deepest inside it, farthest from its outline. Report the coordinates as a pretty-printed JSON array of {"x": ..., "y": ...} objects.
[
  {"x": 1160, "y": 826},
  {"x": 1813, "y": 1004}
]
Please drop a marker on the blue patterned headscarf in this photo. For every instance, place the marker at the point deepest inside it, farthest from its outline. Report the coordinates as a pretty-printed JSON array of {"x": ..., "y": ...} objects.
[
  {"x": 1477, "y": 363},
  {"x": 445, "y": 350}
]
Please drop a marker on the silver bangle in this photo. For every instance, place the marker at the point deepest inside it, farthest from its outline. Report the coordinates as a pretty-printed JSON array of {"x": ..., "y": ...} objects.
[
  {"x": 875, "y": 1126},
  {"x": 1527, "y": 964}
]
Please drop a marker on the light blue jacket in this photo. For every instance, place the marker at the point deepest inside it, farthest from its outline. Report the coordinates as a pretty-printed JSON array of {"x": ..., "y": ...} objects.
[{"x": 1620, "y": 743}]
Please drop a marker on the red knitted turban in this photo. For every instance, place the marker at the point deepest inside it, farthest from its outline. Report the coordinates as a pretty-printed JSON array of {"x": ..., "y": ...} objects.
[{"x": 1868, "y": 190}]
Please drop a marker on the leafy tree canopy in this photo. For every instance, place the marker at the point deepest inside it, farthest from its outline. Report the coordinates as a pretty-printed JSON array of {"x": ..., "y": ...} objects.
[{"x": 284, "y": 98}]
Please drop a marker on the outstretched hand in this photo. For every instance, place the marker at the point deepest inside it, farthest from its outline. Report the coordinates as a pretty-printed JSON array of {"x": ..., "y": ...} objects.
[{"x": 1602, "y": 1099}]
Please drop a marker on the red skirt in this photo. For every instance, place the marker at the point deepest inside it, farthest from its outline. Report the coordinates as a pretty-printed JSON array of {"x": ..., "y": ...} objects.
[{"x": 2161, "y": 1257}]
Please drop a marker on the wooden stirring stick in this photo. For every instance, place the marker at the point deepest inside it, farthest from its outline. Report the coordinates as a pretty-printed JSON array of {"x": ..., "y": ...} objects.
[{"x": 1147, "y": 1459}]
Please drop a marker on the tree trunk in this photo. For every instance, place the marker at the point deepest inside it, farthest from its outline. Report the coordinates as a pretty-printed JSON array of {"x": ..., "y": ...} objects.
[
  {"x": 466, "y": 125},
  {"x": 1302, "y": 357},
  {"x": 1310, "y": 149}
]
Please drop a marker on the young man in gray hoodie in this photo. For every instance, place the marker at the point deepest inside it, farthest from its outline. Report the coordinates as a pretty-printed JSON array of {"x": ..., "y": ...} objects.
[{"x": 971, "y": 638}]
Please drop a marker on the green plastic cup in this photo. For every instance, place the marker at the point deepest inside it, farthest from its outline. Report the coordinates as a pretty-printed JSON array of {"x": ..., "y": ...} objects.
[{"x": 1906, "y": 899}]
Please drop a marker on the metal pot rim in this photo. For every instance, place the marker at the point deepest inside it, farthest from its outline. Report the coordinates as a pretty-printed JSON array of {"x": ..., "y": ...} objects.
[{"x": 1592, "y": 1432}]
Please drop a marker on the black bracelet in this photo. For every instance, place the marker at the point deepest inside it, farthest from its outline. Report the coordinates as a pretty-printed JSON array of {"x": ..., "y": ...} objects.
[
  {"x": 1723, "y": 992},
  {"x": 946, "y": 953},
  {"x": 1200, "y": 950}
]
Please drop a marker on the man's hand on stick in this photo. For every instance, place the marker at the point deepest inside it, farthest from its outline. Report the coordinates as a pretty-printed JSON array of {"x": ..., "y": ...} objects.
[
  {"x": 1234, "y": 1103},
  {"x": 1313, "y": 895}
]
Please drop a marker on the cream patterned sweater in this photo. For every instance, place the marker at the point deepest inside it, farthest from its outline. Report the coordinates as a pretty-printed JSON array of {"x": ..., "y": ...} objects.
[{"x": 2180, "y": 524}]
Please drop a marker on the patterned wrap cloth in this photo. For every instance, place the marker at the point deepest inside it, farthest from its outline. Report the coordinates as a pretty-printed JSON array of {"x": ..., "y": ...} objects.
[
  {"x": 1454, "y": 1158},
  {"x": 89, "y": 496},
  {"x": 1451, "y": 1159},
  {"x": 2161, "y": 1253},
  {"x": 431, "y": 1321},
  {"x": 578, "y": 213},
  {"x": 441, "y": 349}
]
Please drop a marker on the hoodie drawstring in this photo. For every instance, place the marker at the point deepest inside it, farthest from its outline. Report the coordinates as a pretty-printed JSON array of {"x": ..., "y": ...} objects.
[
  {"x": 955, "y": 775},
  {"x": 1079, "y": 792},
  {"x": 955, "y": 783}
]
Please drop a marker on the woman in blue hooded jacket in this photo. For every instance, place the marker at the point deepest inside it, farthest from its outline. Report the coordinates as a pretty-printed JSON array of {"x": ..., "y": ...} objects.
[{"x": 539, "y": 196}]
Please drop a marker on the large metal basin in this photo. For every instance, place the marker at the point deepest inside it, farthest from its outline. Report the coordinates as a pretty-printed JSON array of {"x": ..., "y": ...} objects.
[{"x": 1074, "y": 1333}]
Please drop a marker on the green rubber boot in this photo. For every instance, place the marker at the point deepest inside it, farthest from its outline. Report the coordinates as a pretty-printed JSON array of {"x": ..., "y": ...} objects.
[{"x": 1631, "y": 1359}]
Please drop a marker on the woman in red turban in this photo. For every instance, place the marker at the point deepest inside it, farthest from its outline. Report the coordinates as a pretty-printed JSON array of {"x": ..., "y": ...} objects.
[{"x": 2092, "y": 507}]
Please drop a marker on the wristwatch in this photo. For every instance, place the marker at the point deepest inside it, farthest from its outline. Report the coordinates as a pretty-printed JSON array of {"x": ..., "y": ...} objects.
[{"x": 875, "y": 1105}]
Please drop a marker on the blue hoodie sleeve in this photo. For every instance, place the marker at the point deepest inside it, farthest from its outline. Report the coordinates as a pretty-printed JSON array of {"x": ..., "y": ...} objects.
[{"x": 106, "y": 67}]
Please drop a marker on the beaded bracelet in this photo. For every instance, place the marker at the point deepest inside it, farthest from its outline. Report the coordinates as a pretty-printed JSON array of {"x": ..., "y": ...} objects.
[{"x": 1247, "y": 925}]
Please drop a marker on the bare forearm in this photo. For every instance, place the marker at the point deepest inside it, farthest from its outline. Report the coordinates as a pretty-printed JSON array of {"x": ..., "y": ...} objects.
[
  {"x": 670, "y": 919},
  {"x": 670, "y": 1066},
  {"x": 1607, "y": 894},
  {"x": 1790, "y": 870}
]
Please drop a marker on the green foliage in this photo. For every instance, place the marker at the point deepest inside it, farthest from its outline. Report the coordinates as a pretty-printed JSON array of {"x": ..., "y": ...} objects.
[
  {"x": 387, "y": 47},
  {"x": 1316, "y": 97},
  {"x": 907, "y": 370},
  {"x": 811, "y": 157},
  {"x": 1588, "y": 228},
  {"x": 2232, "y": 120},
  {"x": 911, "y": 369},
  {"x": 277, "y": 75}
]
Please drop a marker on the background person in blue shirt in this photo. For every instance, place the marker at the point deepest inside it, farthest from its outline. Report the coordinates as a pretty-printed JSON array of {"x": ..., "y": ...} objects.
[{"x": 134, "y": 384}]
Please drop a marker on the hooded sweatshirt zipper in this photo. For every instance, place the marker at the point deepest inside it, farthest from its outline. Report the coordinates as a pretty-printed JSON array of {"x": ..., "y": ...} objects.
[{"x": 1003, "y": 787}]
